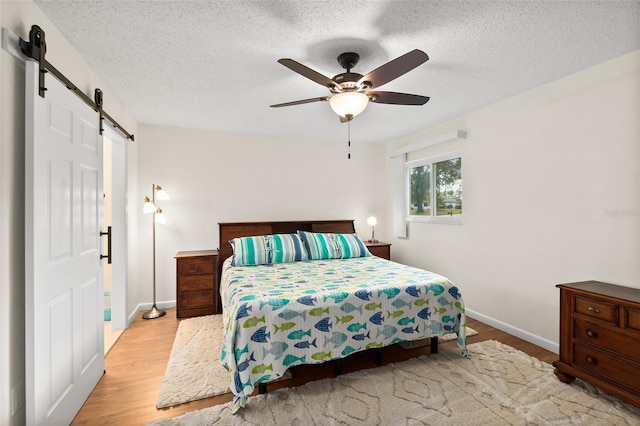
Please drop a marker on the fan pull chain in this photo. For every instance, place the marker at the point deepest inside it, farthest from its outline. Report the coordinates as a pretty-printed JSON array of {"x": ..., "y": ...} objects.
[{"x": 349, "y": 140}]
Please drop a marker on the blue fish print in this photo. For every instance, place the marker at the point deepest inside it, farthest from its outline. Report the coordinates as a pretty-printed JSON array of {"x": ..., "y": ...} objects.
[
  {"x": 363, "y": 294},
  {"x": 407, "y": 321},
  {"x": 337, "y": 339},
  {"x": 397, "y": 340},
  {"x": 435, "y": 327},
  {"x": 290, "y": 359},
  {"x": 238, "y": 383},
  {"x": 436, "y": 289},
  {"x": 445, "y": 302},
  {"x": 410, "y": 330},
  {"x": 424, "y": 314},
  {"x": 449, "y": 328},
  {"x": 238, "y": 352},
  {"x": 260, "y": 336},
  {"x": 277, "y": 349},
  {"x": 298, "y": 334},
  {"x": 348, "y": 307},
  {"x": 338, "y": 296},
  {"x": 399, "y": 304},
  {"x": 324, "y": 324},
  {"x": 377, "y": 318},
  {"x": 288, "y": 314},
  {"x": 307, "y": 300},
  {"x": 390, "y": 292},
  {"x": 243, "y": 311},
  {"x": 244, "y": 364},
  {"x": 454, "y": 292},
  {"x": 347, "y": 350},
  {"x": 413, "y": 291},
  {"x": 447, "y": 318},
  {"x": 355, "y": 327},
  {"x": 387, "y": 331},
  {"x": 362, "y": 336},
  {"x": 306, "y": 344},
  {"x": 248, "y": 297},
  {"x": 275, "y": 303}
]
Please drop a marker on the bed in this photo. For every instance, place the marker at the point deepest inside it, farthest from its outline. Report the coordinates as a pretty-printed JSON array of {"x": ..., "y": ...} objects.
[{"x": 282, "y": 309}]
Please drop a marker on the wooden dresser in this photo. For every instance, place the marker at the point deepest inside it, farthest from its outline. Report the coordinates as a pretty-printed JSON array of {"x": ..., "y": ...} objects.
[
  {"x": 600, "y": 337},
  {"x": 379, "y": 249},
  {"x": 197, "y": 283}
]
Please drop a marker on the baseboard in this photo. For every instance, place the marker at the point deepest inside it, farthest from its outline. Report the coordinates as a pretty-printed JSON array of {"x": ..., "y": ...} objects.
[
  {"x": 167, "y": 304},
  {"x": 515, "y": 331}
]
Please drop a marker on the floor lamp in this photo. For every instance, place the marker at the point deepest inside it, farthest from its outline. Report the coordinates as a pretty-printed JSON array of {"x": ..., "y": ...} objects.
[{"x": 158, "y": 217}]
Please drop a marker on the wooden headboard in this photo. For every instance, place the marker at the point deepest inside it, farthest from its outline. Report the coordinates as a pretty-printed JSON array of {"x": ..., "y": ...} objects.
[{"x": 229, "y": 231}]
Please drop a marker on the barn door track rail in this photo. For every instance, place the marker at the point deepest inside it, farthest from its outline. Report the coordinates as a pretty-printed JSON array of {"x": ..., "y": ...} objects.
[{"x": 36, "y": 49}]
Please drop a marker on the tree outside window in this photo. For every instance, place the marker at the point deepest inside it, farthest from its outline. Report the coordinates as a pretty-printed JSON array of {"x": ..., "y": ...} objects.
[{"x": 445, "y": 177}]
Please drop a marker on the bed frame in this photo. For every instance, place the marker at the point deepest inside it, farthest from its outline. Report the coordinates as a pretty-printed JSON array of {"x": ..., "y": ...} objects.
[{"x": 231, "y": 230}]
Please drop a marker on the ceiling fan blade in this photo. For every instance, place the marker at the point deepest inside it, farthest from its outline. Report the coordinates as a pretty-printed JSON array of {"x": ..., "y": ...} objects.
[
  {"x": 309, "y": 73},
  {"x": 394, "y": 69},
  {"x": 303, "y": 101},
  {"x": 397, "y": 98}
]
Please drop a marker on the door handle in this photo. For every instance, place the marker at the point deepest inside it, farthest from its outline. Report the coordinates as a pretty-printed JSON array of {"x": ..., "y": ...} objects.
[{"x": 108, "y": 255}]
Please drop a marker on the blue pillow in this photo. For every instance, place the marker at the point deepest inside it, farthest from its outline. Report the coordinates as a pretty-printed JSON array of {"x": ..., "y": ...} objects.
[
  {"x": 333, "y": 246},
  {"x": 267, "y": 249}
]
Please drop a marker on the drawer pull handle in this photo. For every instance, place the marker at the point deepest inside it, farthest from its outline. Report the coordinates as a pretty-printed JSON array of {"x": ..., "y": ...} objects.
[
  {"x": 591, "y": 333},
  {"x": 594, "y": 310},
  {"x": 592, "y": 360}
]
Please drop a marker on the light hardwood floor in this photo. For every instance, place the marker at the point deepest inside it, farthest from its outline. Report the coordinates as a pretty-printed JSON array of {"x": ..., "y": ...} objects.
[{"x": 127, "y": 393}]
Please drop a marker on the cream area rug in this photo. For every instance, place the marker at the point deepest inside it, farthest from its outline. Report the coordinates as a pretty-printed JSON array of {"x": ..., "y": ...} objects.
[
  {"x": 194, "y": 370},
  {"x": 498, "y": 385}
]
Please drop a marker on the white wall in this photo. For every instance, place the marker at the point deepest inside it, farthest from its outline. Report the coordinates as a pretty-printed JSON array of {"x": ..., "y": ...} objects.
[
  {"x": 551, "y": 195},
  {"x": 18, "y": 16},
  {"x": 229, "y": 177}
]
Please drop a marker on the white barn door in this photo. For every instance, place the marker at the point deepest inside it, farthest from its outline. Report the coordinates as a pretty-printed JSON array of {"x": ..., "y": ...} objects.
[{"x": 64, "y": 282}]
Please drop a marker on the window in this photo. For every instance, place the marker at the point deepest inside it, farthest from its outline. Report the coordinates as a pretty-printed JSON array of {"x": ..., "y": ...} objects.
[{"x": 434, "y": 188}]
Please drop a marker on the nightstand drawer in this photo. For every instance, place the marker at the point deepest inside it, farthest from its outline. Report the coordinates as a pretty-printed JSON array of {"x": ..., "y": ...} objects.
[
  {"x": 196, "y": 265},
  {"x": 624, "y": 372},
  {"x": 196, "y": 282},
  {"x": 617, "y": 342},
  {"x": 196, "y": 299},
  {"x": 597, "y": 309}
]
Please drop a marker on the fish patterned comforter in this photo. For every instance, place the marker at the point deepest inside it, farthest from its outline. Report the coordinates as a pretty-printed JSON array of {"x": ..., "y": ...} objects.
[{"x": 281, "y": 315}]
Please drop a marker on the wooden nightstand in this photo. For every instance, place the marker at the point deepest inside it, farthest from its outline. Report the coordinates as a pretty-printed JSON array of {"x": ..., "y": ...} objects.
[
  {"x": 196, "y": 283},
  {"x": 379, "y": 249}
]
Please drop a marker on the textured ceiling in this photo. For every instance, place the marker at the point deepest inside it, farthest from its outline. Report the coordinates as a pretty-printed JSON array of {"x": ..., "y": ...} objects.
[{"x": 212, "y": 64}]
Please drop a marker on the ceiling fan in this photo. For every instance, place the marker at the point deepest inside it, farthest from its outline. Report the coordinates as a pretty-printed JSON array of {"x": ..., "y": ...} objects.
[{"x": 351, "y": 92}]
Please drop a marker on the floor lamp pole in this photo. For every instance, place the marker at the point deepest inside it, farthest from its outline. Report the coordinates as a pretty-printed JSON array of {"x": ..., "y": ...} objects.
[{"x": 154, "y": 312}]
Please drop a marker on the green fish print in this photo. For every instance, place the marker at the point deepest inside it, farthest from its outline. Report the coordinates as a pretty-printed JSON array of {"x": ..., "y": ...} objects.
[
  {"x": 374, "y": 345},
  {"x": 407, "y": 320},
  {"x": 421, "y": 302},
  {"x": 252, "y": 322},
  {"x": 319, "y": 356},
  {"x": 439, "y": 310},
  {"x": 394, "y": 314},
  {"x": 298, "y": 334},
  {"x": 284, "y": 326},
  {"x": 345, "y": 319},
  {"x": 260, "y": 369},
  {"x": 459, "y": 306},
  {"x": 290, "y": 359},
  {"x": 316, "y": 312},
  {"x": 373, "y": 306},
  {"x": 355, "y": 327}
]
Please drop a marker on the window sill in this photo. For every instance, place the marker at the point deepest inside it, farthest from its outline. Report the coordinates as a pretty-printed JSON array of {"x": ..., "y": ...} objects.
[{"x": 441, "y": 220}]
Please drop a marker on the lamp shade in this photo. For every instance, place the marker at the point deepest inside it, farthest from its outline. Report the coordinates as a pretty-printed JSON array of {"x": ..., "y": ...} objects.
[
  {"x": 348, "y": 103},
  {"x": 160, "y": 218},
  {"x": 372, "y": 221},
  {"x": 148, "y": 207},
  {"x": 161, "y": 194}
]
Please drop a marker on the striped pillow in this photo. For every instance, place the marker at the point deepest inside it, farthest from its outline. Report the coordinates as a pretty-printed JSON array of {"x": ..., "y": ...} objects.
[
  {"x": 333, "y": 246},
  {"x": 267, "y": 249}
]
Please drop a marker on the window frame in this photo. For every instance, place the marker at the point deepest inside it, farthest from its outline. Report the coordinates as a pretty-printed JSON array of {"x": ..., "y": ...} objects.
[{"x": 431, "y": 162}]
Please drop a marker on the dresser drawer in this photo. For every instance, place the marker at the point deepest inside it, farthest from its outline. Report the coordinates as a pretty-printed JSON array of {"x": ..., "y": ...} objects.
[
  {"x": 196, "y": 265},
  {"x": 195, "y": 299},
  {"x": 196, "y": 282},
  {"x": 594, "y": 361},
  {"x": 607, "y": 339},
  {"x": 633, "y": 319},
  {"x": 597, "y": 309}
]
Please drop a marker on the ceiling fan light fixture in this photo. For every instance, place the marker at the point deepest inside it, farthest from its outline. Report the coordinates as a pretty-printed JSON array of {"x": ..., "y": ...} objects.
[{"x": 348, "y": 103}]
